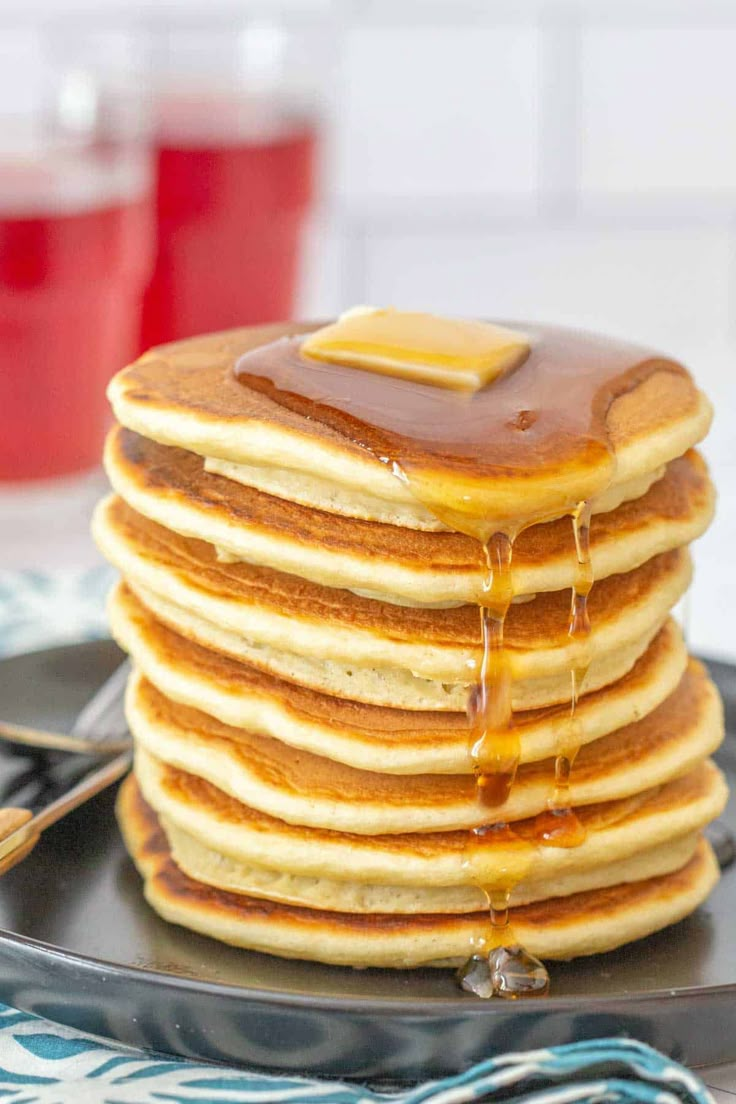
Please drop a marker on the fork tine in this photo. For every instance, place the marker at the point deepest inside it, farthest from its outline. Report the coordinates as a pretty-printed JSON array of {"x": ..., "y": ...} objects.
[{"x": 103, "y": 718}]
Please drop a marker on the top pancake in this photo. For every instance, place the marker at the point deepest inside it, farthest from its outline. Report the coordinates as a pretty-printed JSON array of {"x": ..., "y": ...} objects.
[{"x": 186, "y": 394}]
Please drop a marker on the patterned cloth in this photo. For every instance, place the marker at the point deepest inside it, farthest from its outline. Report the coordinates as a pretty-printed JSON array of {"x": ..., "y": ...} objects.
[
  {"x": 44, "y": 1063},
  {"x": 38, "y": 610}
]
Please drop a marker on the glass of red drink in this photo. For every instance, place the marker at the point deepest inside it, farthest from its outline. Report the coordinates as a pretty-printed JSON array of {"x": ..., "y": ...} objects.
[
  {"x": 235, "y": 146},
  {"x": 76, "y": 244}
]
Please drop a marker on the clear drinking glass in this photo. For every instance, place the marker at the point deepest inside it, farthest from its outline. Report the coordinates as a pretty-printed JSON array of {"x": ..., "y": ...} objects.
[
  {"x": 236, "y": 134},
  {"x": 76, "y": 239}
]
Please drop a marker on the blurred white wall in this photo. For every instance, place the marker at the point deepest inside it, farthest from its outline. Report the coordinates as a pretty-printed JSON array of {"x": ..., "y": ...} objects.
[{"x": 568, "y": 160}]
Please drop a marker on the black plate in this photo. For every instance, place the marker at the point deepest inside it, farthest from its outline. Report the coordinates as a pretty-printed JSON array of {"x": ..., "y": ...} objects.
[{"x": 80, "y": 946}]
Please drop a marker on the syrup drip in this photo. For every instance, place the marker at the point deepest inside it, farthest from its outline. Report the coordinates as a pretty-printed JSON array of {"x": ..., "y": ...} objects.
[
  {"x": 466, "y": 458},
  {"x": 503, "y": 968},
  {"x": 508, "y": 971},
  {"x": 494, "y": 741},
  {"x": 560, "y": 826},
  {"x": 498, "y": 859}
]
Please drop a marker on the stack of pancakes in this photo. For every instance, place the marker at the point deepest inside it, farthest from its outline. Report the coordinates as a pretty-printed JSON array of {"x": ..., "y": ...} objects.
[{"x": 305, "y": 634}]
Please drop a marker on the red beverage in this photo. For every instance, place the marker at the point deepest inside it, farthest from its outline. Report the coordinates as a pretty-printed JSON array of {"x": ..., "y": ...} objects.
[
  {"x": 71, "y": 282},
  {"x": 232, "y": 199}
]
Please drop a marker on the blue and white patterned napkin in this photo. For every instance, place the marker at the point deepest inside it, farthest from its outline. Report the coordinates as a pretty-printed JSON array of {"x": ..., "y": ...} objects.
[{"x": 45, "y": 1063}]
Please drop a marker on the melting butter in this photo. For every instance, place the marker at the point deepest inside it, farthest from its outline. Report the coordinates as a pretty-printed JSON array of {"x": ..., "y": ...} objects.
[{"x": 425, "y": 348}]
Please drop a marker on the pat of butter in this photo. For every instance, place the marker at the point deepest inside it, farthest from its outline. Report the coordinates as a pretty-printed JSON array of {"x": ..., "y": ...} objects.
[{"x": 445, "y": 352}]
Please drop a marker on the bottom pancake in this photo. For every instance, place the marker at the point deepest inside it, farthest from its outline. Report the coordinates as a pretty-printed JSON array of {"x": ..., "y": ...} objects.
[{"x": 560, "y": 928}]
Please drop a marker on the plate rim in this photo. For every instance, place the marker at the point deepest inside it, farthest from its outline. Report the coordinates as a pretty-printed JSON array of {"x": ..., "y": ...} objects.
[{"x": 423, "y": 1007}]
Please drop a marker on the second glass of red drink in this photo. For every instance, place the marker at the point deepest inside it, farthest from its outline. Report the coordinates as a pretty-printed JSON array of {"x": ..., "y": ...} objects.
[{"x": 235, "y": 160}]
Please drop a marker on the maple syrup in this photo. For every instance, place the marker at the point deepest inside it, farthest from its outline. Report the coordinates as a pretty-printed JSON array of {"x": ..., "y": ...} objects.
[
  {"x": 506, "y": 971},
  {"x": 494, "y": 744},
  {"x": 502, "y": 967},
  {"x": 559, "y": 825},
  {"x": 493, "y": 460},
  {"x": 496, "y": 859},
  {"x": 495, "y": 752},
  {"x": 487, "y": 463}
]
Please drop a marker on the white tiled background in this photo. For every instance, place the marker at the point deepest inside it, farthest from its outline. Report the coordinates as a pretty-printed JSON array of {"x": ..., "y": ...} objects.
[{"x": 570, "y": 160}]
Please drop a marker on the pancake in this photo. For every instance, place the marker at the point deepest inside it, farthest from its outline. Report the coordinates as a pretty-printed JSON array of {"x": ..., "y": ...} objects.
[
  {"x": 185, "y": 394},
  {"x": 306, "y": 789},
  {"x": 371, "y": 737},
  {"x": 215, "y": 869},
  {"x": 564, "y": 927},
  {"x": 386, "y": 686},
  {"x": 170, "y": 486},
  {"x": 326, "y": 495},
  {"x": 255, "y": 606},
  {"x": 246, "y": 839}
]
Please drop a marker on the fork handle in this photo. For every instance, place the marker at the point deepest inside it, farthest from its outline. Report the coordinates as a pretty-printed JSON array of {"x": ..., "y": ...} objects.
[{"x": 11, "y": 819}]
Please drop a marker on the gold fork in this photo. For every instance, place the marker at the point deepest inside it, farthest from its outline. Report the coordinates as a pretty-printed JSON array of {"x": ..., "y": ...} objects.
[{"x": 100, "y": 730}]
